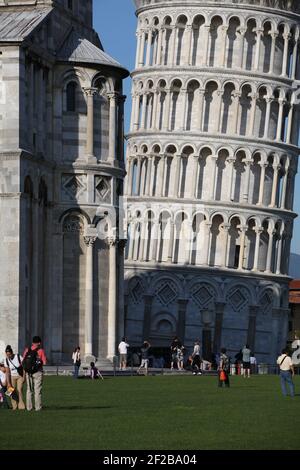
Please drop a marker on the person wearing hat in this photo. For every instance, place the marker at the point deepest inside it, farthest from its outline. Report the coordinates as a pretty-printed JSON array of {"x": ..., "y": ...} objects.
[{"x": 16, "y": 377}]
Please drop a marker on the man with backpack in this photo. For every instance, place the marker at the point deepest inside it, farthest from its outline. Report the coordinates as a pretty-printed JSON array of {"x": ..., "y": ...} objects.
[{"x": 33, "y": 362}]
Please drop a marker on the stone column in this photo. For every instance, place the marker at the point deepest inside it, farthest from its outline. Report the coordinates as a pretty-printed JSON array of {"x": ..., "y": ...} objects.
[
  {"x": 121, "y": 309},
  {"x": 286, "y": 37},
  {"x": 243, "y": 229},
  {"x": 236, "y": 96},
  {"x": 201, "y": 93},
  {"x": 182, "y": 306},
  {"x": 155, "y": 45},
  {"x": 89, "y": 294},
  {"x": 41, "y": 104},
  {"x": 90, "y": 93},
  {"x": 219, "y": 109},
  {"x": 270, "y": 251},
  {"x": 279, "y": 254},
  {"x": 258, "y": 231},
  {"x": 148, "y": 300},
  {"x": 166, "y": 117},
  {"x": 276, "y": 169},
  {"x": 189, "y": 37},
  {"x": 224, "y": 44},
  {"x": 144, "y": 109},
  {"x": 153, "y": 242},
  {"x": 267, "y": 121},
  {"x": 273, "y": 35},
  {"x": 112, "y": 125},
  {"x": 213, "y": 176},
  {"x": 253, "y": 310},
  {"x": 30, "y": 106},
  {"x": 163, "y": 160},
  {"x": 112, "y": 298},
  {"x": 149, "y": 173},
  {"x": 242, "y": 32},
  {"x": 177, "y": 175},
  {"x": 208, "y": 242},
  {"x": 131, "y": 240},
  {"x": 231, "y": 161},
  {"x": 263, "y": 167},
  {"x": 290, "y": 124},
  {"x": 195, "y": 173},
  {"x": 138, "y": 175},
  {"x": 252, "y": 116},
  {"x": 284, "y": 186},
  {"x": 184, "y": 108},
  {"x": 149, "y": 45},
  {"x": 142, "y": 49},
  {"x": 280, "y": 117},
  {"x": 219, "y": 307},
  {"x": 120, "y": 138},
  {"x": 295, "y": 55},
  {"x": 259, "y": 33},
  {"x": 173, "y": 38},
  {"x": 171, "y": 242},
  {"x": 226, "y": 228},
  {"x": 206, "y": 44},
  {"x": 155, "y": 117},
  {"x": 136, "y": 112},
  {"x": 138, "y": 49},
  {"x": 129, "y": 177},
  {"x": 159, "y": 46},
  {"x": 248, "y": 164}
]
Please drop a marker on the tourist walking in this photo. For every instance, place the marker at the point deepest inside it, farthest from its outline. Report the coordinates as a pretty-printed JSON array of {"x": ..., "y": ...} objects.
[
  {"x": 246, "y": 361},
  {"x": 33, "y": 362},
  {"x": 224, "y": 369},
  {"x": 180, "y": 357},
  {"x": 286, "y": 372},
  {"x": 76, "y": 358},
  {"x": 176, "y": 343},
  {"x": 16, "y": 377},
  {"x": 123, "y": 348},
  {"x": 145, "y": 357},
  {"x": 196, "y": 357}
]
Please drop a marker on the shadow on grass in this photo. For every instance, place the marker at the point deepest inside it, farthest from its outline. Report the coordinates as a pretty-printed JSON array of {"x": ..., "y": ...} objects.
[{"x": 75, "y": 407}]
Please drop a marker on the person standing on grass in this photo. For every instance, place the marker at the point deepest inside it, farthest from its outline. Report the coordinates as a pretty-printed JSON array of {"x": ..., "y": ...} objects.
[
  {"x": 33, "y": 362},
  {"x": 253, "y": 364},
  {"x": 123, "y": 347},
  {"x": 286, "y": 372},
  {"x": 224, "y": 367},
  {"x": 76, "y": 361},
  {"x": 145, "y": 357},
  {"x": 3, "y": 382},
  {"x": 246, "y": 361},
  {"x": 196, "y": 357},
  {"x": 176, "y": 343},
  {"x": 16, "y": 374}
]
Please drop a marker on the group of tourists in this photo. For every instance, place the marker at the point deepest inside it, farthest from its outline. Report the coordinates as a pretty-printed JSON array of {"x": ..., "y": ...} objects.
[{"x": 16, "y": 370}]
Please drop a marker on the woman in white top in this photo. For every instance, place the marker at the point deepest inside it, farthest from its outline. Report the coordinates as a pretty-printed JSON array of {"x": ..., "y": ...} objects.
[
  {"x": 286, "y": 372},
  {"x": 76, "y": 361},
  {"x": 13, "y": 365},
  {"x": 3, "y": 388}
]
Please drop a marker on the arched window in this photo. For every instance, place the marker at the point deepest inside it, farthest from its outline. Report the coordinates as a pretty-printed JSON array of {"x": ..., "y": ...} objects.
[{"x": 71, "y": 96}]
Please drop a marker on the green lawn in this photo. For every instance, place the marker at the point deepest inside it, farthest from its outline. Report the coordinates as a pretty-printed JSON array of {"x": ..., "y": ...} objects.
[{"x": 162, "y": 412}]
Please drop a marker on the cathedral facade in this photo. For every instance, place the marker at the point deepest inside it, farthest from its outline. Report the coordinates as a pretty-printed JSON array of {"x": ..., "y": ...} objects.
[
  {"x": 61, "y": 177},
  {"x": 211, "y": 165}
]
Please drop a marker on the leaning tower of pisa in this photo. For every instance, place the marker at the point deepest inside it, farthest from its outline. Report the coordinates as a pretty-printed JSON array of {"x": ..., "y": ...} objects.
[{"x": 211, "y": 165}]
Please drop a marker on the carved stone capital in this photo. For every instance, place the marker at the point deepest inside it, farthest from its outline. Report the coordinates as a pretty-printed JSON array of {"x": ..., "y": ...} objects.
[{"x": 89, "y": 240}]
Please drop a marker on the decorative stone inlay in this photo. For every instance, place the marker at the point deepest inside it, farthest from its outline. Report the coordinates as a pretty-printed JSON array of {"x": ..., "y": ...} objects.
[
  {"x": 238, "y": 299},
  {"x": 73, "y": 187},
  {"x": 137, "y": 292},
  {"x": 266, "y": 301},
  {"x": 102, "y": 189},
  {"x": 166, "y": 293},
  {"x": 202, "y": 295}
]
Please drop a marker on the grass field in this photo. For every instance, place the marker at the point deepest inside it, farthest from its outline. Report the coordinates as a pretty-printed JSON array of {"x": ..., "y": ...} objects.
[{"x": 162, "y": 412}]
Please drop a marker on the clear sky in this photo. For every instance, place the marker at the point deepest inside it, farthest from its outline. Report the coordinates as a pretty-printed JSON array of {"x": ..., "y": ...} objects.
[{"x": 115, "y": 22}]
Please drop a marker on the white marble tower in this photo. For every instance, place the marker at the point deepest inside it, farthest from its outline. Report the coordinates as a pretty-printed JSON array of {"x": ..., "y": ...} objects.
[{"x": 211, "y": 164}]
